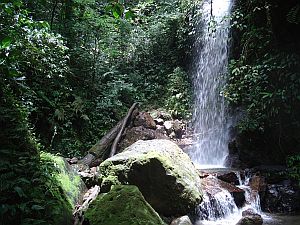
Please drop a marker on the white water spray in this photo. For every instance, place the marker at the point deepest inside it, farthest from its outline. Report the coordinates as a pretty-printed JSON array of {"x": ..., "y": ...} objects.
[{"x": 210, "y": 120}]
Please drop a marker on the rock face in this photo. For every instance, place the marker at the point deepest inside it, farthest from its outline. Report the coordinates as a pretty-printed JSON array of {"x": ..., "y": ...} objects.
[
  {"x": 161, "y": 170},
  {"x": 122, "y": 205}
]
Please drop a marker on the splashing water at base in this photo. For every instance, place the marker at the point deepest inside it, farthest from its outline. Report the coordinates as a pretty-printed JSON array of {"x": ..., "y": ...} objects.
[
  {"x": 210, "y": 120},
  {"x": 219, "y": 208}
]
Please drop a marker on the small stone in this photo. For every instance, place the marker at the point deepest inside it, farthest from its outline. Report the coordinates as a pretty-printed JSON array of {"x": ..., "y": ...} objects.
[
  {"x": 168, "y": 126},
  {"x": 184, "y": 220},
  {"x": 159, "y": 121}
]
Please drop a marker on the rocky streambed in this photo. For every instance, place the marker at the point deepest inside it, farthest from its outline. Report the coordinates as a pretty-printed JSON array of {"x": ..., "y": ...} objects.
[{"x": 153, "y": 181}]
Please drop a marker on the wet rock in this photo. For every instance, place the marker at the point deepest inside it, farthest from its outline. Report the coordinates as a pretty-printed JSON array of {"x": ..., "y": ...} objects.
[
  {"x": 140, "y": 133},
  {"x": 258, "y": 183},
  {"x": 212, "y": 185},
  {"x": 122, "y": 205},
  {"x": 248, "y": 212},
  {"x": 184, "y": 220},
  {"x": 160, "y": 113},
  {"x": 74, "y": 160},
  {"x": 274, "y": 174},
  {"x": 251, "y": 219},
  {"x": 161, "y": 170},
  {"x": 282, "y": 198},
  {"x": 144, "y": 119},
  {"x": 229, "y": 177}
]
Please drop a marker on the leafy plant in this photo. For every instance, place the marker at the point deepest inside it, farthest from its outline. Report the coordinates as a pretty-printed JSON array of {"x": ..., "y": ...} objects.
[{"x": 293, "y": 163}]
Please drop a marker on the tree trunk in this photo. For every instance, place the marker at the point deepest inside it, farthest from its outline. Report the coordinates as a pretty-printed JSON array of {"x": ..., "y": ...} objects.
[{"x": 101, "y": 149}]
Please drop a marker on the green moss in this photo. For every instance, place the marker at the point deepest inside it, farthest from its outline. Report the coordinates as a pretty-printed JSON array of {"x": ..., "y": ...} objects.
[
  {"x": 122, "y": 205},
  {"x": 65, "y": 188},
  {"x": 163, "y": 173},
  {"x": 68, "y": 180}
]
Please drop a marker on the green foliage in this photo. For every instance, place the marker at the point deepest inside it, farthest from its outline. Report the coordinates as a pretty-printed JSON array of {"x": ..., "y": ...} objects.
[
  {"x": 178, "y": 97},
  {"x": 293, "y": 15},
  {"x": 77, "y": 85},
  {"x": 264, "y": 77},
  {"x": 266, "y": 89},
  {"x": 118, "y": 54},
  {"x": 29, "y": 193},
  {"x": 293, "y": 163}
]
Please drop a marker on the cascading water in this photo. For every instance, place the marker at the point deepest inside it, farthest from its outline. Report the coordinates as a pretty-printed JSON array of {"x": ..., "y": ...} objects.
[
  {"x": 210, "y": 120},
  {"x": 218, "y": 206}
]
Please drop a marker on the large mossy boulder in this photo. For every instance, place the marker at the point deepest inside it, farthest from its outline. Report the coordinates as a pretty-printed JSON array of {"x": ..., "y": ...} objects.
[
  {"x": 122, "y": 205},
  {"x": 161, "y": 170},
  {"x": 66, "y": 187}
]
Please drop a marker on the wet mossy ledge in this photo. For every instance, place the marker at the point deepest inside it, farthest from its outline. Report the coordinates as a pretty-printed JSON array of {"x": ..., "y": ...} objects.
[{"x": 122, "y": 205}]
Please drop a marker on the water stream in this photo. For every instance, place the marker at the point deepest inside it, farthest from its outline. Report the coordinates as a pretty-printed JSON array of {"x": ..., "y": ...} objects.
[
  {"x": 219, "y": 207},
  {"x": 210, "y": 121}
]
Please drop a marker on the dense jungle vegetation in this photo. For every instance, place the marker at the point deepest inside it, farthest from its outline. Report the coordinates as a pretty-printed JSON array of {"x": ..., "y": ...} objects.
[
  {"x": 71, "y": 69},
  {"x": 264, "y": 80}
]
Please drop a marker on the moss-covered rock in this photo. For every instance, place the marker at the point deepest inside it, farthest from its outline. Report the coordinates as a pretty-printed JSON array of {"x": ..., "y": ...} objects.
[
  {"x": 161, "y": 170},
  {"x": 67, "y": 187},
  {"x": 122, "y": 205}
]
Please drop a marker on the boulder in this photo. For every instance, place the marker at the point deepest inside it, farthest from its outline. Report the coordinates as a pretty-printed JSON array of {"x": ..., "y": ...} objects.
[
  {"x": 144, "y": 119},
  {"x": 160, "y": 113},
  {"x": 248, "y": 212},
  {"x": 122, "y": 205},
  {"x": 184, "y": 220},
  {"x": 140, "y": 133},
  {"x": 161, "y": 170}
]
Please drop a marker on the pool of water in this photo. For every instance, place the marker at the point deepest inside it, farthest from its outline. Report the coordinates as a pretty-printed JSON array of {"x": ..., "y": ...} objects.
[{"x": 269, "y": 219}]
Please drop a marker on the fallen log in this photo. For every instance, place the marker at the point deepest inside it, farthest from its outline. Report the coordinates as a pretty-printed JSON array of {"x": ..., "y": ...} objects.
[
  {"x": 101, "y": 149},
  {"x": 125, "y": 122}
]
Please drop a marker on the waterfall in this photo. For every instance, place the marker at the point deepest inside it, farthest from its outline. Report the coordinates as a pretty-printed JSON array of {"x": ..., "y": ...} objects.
[{"x": 210, "y": 120}]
